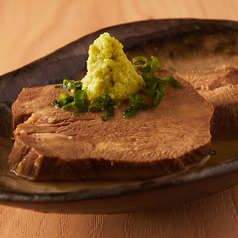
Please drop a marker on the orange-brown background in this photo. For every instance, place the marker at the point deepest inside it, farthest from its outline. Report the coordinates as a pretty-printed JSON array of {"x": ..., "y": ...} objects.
[{"x": 30, "y": 29}]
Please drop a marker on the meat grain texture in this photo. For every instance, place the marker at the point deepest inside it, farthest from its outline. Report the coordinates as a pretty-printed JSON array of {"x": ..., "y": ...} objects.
[
  {"x": 220, "y": 87},
  {"x": 52, "y": 144}
]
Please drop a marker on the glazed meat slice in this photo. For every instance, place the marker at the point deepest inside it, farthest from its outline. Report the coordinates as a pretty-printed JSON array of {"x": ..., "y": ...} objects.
[
  {"x": 52, "y": 144},
  {"x": 220, "y": 87}
]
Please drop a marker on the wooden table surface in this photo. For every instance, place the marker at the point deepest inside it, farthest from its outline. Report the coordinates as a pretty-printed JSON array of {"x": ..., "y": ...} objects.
[{"x": 31, "y": 29}]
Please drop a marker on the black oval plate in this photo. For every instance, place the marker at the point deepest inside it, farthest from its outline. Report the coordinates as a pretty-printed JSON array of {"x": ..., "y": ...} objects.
[{"x": 180, "y": 44}]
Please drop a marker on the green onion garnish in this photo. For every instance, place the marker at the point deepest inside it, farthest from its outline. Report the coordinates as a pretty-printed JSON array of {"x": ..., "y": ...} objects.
[
  {"x": 57, "y": 103},
  {"x": 130, "y": 112},
  {"x": 79, "y": 111},
  {"x": 78, "y": 85},
  {"x": 155, "y": 66},
  {"x": 110, "y": 105},
  {"x": 69, "y": 85},
  {"x": 97, "y": 106},
  {"x": 110, "y": 108},
  {"x": 68, "y": 106},
  {"x": 156, "y": 99},
  {"x": 161, "y": 88},
  {"x": 105, "y": 118},
  {"x": 80, "y": 98},
  {"x": 154, "y": 87},
  {"x": 137, "y": 101}
]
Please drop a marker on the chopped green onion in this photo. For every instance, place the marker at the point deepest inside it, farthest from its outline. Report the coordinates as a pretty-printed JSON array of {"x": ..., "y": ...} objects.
[
  {"x": 143, "y": 67},
  {"x": 57, "y": 103},
  {"x": 78, "y": 85},
  {"x": 137, "y": 101},
  {"x": 167, "y": 80},
  {"x": 170, "y": 79},
  {"x": 149, "y": 93},
  {"x": 176, "y": 83},
  {"x": 59, "y": 86},
  {"x": 81, "y": 110},
  {"x": 154, "y": 87},
  {"x": 157, "y": 98},
  {"x": 101, "y": 100},
  {"x": 109, "y": 100},
  {"x": 130, "y": 112},
  {"x": 161, "y": 88},
  {"x": 154, "y": 66},
  {"x": 153, "y": 82},
  {"x": 69, "y": 85},
  {"x": 110, "y": 110},
  {"x": 68, "y": 106},
  {"x": 80, "y": 98},
  {"x": 105, "y": 118},
  {"x": 64, "y": 96},
  {"x": 97, "y": 106},
  {"x": 110, "y": 105}
]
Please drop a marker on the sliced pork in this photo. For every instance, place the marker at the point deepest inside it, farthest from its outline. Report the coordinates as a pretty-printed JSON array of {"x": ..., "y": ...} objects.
[
  {"x": 52, "y": 144},
  {"x": 220, "y": 87}
]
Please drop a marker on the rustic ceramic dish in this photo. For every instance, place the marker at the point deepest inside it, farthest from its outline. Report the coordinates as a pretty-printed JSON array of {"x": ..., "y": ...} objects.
[{"x": 180, "y": 44}]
